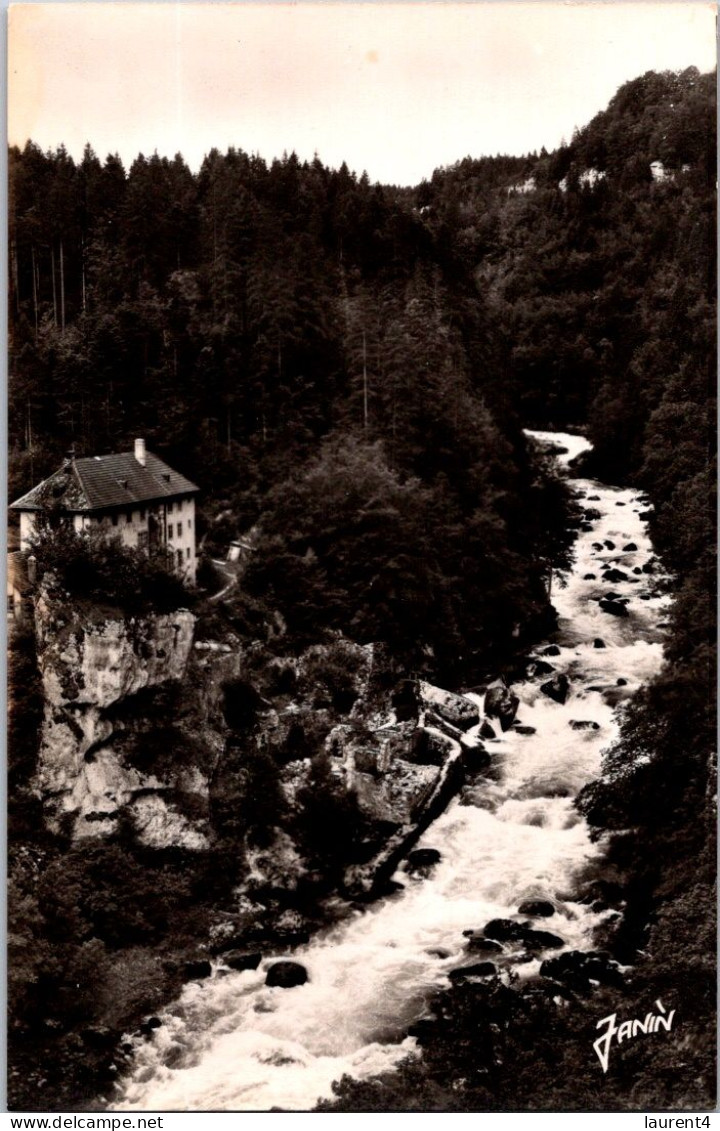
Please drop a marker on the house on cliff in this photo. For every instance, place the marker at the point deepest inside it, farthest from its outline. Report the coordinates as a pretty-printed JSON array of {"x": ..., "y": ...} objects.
[{"x": 131, "y": 495}]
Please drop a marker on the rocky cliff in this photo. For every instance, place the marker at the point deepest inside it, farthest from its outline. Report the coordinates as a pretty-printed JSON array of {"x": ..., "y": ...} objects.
[{"x": 113, "y": 744}]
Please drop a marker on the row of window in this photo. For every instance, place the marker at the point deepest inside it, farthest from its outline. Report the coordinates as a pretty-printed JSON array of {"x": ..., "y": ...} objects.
[{"x": 129, "y": 518}]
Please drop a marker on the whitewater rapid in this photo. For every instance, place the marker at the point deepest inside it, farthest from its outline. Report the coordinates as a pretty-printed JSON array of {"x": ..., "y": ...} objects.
[{"x": 232, "y": 1043}]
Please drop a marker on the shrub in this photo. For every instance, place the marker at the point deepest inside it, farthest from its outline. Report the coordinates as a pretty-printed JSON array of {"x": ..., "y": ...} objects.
[{"x": 93, "y": 568}]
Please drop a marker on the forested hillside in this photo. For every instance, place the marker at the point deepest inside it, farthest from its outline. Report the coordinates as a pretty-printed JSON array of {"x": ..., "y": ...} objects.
[
  {"x": 275, "y": 332},
  {"x": 605, "y": 291},
  {"x": 346, "y": 370}
]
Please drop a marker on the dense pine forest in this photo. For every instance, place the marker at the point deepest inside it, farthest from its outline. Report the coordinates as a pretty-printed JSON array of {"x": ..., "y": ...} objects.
[{"x": 345, "y": 369}]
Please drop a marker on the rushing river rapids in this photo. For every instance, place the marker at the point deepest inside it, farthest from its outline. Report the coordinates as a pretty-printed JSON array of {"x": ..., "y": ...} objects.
[{"x": 232, "y": 1043}]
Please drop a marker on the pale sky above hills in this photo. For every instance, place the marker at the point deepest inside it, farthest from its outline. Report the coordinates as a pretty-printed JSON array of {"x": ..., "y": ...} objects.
[{"x": 392, "y": 88}]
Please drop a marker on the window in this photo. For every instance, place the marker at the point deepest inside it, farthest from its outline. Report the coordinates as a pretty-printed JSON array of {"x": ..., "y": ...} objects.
[
  {"x": 114, "y": 520},
  {"x": 180, "y": 558},
  {"x": 128, "y": 516},
  {"x": 189, "y": 524},
  {"x": 179, "y": 530},
  {"x": 142, "y": 514},
  {"x": 170, "y": 530},
  {"x": 143, "y": 539},
  {"x": 187, "y": 553}
]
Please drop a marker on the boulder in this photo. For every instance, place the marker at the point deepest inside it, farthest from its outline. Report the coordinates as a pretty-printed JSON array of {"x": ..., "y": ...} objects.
[
  {"x": 551, "y": 650},
  {"x": 630, "y": 548},
  {"x": 199, "y": 968},
  {"x": 598, "y": 643},
  {"x": 610, "y": 545},
  {"x": 614, "y": 608},
  {"x": 440, "y": 952},
  {"x": 592, "y": 513},
  {"x": 521, "y": 728},
  {"x": 602, "y": 894},
  {"x": 475, "y": 757},
  {"x": 542, "y": 940},
  {"x": 644, "y": 516},
  {"x": 579, "y": 969},
  {"x": 476, "y": 943},
  {"x": 505, "y": 930},
  {"x": 621, "y": 682},
  {"x": 290, "y": 927},
  {"x": 405, "y": 701},
  {"x": 286, "y": 975},
  {"x": 146, "y": 1027},
  {"x": 537, "y": 908},
  {"x": 242, "y": 960},
  {"x": 421, "y": 860},
  {"x": 477, "y": 970},
  {"x": 614, "y": 575},
  {"x": 538, "y": 667},
  {"x": 487, "y": 730},
  {"x": 598, "y": 546},
  {"x": 593, "y": 498},
  {"x": 590, "y": 577},
  {"x": 649, "y": 567},
  {"x": 556, "y": 688},
  {"x": 501, "y": 704},
  {"x": 584, "y": 724},
  {"x": 454, "y": 709},
  {"x": 620, "y": 503},
  {"x": 99, "y": 1037}
]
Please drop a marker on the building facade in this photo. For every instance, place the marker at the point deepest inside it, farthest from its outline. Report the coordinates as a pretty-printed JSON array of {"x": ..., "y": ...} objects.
[{"x": 134, "y": 496}]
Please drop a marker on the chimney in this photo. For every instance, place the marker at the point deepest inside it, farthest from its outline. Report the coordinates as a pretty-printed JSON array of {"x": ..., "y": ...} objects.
[{"x": 140, "y": 452}]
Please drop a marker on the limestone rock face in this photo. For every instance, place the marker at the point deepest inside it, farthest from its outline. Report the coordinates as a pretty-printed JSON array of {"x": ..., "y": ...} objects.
[{"x": 91, "y": 666}]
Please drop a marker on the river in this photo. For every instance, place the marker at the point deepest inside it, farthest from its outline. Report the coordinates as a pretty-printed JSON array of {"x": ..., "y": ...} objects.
[{"x": 232, "y": 1043}]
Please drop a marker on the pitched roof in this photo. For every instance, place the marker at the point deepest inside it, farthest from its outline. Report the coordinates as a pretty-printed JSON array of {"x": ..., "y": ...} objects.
[{"x": 100, "y": 482}]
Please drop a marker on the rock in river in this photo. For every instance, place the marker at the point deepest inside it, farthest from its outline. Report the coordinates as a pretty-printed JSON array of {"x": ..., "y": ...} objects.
[
  {"x": 286, "y": 975},
  {"x": 556, "y": 688},
  {"x": 501, "y": 704},
  {"x": 614, "y": 575},
  {"x": 579, "y": 970},
  {"x": 537, "y": 908},
  {"x": 200, "y": 968},
  {"x": 614, "y": 608}
]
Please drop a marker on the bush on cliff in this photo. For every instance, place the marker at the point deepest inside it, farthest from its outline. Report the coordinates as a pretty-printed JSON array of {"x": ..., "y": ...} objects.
[{"x": 92, "y": 568}]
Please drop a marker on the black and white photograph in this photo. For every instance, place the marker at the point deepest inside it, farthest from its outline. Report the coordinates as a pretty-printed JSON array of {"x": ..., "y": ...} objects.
[{"x": 361, "y": 536}]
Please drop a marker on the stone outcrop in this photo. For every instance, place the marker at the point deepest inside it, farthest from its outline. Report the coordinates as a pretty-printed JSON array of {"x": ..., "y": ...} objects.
[{"x": 99, "y": 674}]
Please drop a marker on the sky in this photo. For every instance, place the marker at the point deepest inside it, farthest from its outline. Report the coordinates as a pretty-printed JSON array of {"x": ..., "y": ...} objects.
[{"x": 393, "y": 89}]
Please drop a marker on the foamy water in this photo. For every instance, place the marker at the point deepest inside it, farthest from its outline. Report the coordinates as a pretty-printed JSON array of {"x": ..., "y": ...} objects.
[{"x": 232, "y": 1043}]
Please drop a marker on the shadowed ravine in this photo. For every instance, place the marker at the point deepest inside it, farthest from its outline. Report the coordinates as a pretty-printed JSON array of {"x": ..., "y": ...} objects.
[{"x": 232, "y": 1043}]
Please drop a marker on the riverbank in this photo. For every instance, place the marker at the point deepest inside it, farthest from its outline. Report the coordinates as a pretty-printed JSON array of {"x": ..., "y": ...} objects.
[{"x": 508, "y": 840}]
